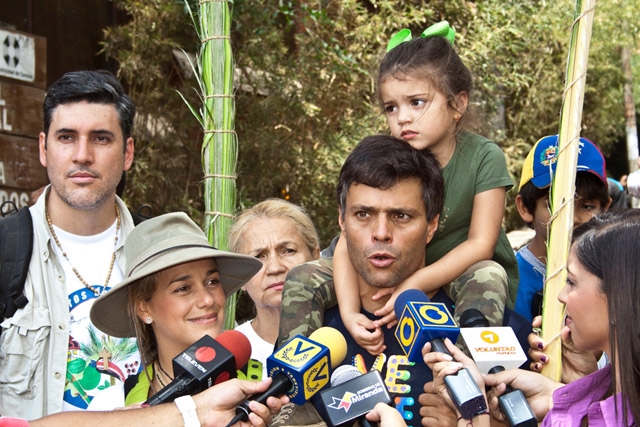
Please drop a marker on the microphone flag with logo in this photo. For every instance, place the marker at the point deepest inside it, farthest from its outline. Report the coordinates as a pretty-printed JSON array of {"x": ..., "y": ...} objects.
[
  {"x": 300, "y": 368},
  {"x": 490, "y": 346},
  {"x": 513, "y": 404},
  {"x": 352, "y": 395},
  {"x": 205, "y": 363},
  {"x": 421, "y": 321}
]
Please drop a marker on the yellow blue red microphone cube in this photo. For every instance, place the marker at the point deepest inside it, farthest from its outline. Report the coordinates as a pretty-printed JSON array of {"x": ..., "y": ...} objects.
[
  {"x": 421, "y": 322},
  {"x": 306, "y": 363}
]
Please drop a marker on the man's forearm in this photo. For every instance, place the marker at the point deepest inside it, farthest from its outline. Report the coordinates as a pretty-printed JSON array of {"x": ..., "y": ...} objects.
[{"x": 160, "y": 416}]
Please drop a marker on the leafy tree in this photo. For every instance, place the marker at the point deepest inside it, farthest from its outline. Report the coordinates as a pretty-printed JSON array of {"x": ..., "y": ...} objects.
[
  {"x": 167, "y": 168},
  {"x": 306, "y": 87}
]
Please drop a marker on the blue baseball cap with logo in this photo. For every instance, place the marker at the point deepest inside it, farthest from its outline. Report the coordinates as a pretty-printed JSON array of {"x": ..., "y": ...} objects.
[{"x": 540, "y": 163}]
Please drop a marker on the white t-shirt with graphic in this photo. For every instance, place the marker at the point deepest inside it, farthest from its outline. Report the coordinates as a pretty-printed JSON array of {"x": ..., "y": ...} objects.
[{"x": 95, "y": 360}]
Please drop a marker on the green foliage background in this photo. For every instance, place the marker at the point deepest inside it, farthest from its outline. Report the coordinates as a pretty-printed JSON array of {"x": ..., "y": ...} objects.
[{"x": 306, "y": 88}]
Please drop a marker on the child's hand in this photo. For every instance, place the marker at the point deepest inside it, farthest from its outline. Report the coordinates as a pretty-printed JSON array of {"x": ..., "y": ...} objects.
[
  {"x": 365, "y": 333},
  {"x": 387, "y": 312}
]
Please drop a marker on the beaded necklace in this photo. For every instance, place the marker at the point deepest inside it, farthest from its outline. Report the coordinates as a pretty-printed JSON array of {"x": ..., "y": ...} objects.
[{"x": 64, "y": 254}]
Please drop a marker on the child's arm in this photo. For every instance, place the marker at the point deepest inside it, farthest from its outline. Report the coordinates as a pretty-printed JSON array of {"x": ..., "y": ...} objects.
[
  {"x": 345, "y": 281},
  {"x": 486, "y": 222}
]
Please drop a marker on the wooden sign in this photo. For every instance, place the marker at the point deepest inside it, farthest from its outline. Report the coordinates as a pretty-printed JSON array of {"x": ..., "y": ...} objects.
[
  {"x": 18, "y": 196},
  {"x": 20, "y": 109},
  {"x": 20, "y": 163},
  {"x": 23, "y": 58},
  {"x": 23, "y": 64}
]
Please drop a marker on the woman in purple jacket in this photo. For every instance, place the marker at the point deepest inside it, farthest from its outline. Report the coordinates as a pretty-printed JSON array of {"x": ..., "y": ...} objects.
[{"x": 602, "y": 298}]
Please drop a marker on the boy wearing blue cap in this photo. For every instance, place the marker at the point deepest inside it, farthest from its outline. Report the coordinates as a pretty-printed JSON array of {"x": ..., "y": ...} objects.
[{"x": 532, "y": 201}]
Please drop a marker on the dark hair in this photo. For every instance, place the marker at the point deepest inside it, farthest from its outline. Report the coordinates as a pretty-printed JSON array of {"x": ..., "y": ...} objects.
[
  {"x": 588, "y": 187},
  {"x": 100, "y": 87},
  {"x": 607, "y": 246},
  {"x": 432, "y": 59},
  {"x": 530, "y": 194},
  {"x": 380, "y": 161}
]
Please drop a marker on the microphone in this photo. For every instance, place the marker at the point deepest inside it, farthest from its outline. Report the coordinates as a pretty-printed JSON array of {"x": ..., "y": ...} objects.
[
  {"x": 421, "y": 321},
  {"x": 300, "y": 368},
  {"x": 203, "y": 364},
  {"x": 490, "y": 346},
  {"x": 513, "y": 404},
  {"x": 352, "y": 395}
]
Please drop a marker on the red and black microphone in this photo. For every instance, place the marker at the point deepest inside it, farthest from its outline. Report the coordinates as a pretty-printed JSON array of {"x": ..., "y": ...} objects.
[{"x": 205, "y": 363}]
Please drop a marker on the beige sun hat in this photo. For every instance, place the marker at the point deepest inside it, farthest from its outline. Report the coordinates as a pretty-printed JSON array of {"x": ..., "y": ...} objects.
[{"x": 159, "y": 243}]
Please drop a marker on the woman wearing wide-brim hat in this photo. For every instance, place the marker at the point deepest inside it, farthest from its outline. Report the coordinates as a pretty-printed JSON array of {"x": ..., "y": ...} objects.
[{"x": 173, "y": 294}]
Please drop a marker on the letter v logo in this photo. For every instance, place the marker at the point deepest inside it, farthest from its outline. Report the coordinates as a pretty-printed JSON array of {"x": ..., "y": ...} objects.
[
  {"x": 300, "y": 350},
  {"x": 322, "y": 373}
]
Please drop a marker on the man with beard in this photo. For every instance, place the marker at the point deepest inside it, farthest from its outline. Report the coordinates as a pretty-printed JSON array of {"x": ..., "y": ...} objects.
[
  {"x": 390, "y": 197},
  {"x": 52, "y": 358}
]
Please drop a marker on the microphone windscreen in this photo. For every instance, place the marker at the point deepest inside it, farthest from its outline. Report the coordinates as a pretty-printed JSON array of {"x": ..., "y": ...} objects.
[
  {"x": 238, "y": 344},
  {"x": 334, "y": 341},
  {"x": 472, "y": 317},
  {"x": 406, "y": 296},
  {"x": 344, "y": 373}
]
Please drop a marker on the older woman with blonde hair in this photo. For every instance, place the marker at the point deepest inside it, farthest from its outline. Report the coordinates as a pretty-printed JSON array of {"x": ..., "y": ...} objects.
[{"x": 281, "y": 235}]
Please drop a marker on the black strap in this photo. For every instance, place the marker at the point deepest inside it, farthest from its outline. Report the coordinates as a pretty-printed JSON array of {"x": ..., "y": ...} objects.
[
  {"x": 143, "y": 213},
  {"x": 8, "y": 207},
  {"x": 16, "y": 245}
]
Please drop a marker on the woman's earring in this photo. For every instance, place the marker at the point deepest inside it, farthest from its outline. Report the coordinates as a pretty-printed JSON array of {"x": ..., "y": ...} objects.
[{"x": 148, "y": 320}]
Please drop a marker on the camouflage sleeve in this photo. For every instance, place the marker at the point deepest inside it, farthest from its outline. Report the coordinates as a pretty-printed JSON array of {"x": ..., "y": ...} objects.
[
  {"x": 308, "y": 292},
  {"x": 483, "y": 286}
]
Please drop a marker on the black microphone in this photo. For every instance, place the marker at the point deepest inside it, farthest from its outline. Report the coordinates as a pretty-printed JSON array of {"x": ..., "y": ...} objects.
[
  {"x": 421, "y": 321},
  {"x": 513, "y": 404},
  {"x": 352, "y": 395},
  {"x": 205, "y": 363},
  {"x": 300, "y": 368}
]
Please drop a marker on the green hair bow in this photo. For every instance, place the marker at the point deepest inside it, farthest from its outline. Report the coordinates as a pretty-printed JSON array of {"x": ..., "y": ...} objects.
[{"x": 440, "y": 29}]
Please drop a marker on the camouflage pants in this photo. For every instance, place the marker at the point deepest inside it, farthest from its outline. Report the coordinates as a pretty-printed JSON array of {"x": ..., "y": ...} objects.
[
  {"x": 309, "y": 291},
  {"x": 483, "y": 286}
]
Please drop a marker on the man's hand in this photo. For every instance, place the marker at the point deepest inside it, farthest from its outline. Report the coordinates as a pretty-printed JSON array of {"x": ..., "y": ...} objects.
[
  {"x": 434, "y": 409},
  {"x": 576, "y": 363},
  {"x": 216, "y": 405},
  {"x": 386, "y": 415},
  {"x": 365, "y": 333}
]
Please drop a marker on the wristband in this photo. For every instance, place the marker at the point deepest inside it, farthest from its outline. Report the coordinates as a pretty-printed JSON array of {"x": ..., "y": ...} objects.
[
  {"x": 187, "y": 408},
  {"x": 470, "y": 422}
]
